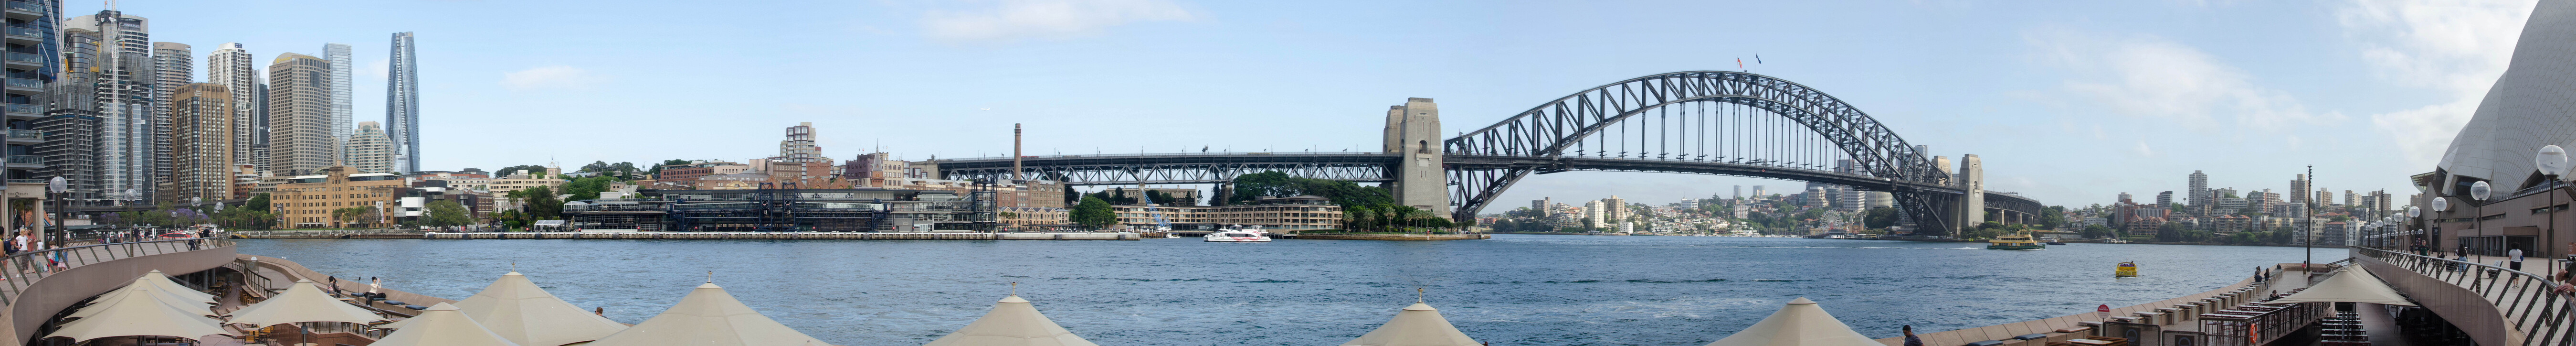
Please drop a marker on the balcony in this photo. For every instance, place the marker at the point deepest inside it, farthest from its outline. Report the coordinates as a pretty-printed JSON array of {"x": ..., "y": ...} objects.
[
  {"x": 23, "y": 35},
  {"x": 25, "y": 10},
  {"x": 24, "y": 60},
  {"x": 26, "y": 86},
  {"x": 29, "y": 181},
  {"x": 26, "y": 136},
  {"x": 29, "y": 160},
  {"x": 21, "y": 110}
]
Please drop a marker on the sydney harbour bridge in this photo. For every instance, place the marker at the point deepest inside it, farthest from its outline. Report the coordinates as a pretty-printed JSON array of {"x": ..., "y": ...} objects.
[{"x": 1696, "y": 122}]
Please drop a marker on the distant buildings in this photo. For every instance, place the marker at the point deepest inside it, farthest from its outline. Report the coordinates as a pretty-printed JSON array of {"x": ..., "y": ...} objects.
[
  {"x": 203, "y": 130},
  {"x": 402, "y": 103},
  {"x": 301, "y": 139},
  {"x": 308, "y": 200},
  {"x": 370, "y": 150}
]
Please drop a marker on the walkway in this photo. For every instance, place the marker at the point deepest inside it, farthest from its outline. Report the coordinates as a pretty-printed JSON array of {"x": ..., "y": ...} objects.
[
  {"x": 2530, "y": 314},
  {"x": 2051, "y": 325}
]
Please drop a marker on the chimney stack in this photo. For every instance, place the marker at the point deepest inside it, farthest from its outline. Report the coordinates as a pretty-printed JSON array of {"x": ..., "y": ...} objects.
[{"x": 1015, "y": 154}]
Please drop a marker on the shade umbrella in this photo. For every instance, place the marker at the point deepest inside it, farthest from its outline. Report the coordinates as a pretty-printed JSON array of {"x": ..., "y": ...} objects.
[
  {"x": 517, "y": 309},
  {"x": 1012, "y": 322},
  {"x": 2350, "y": 285},
  {"x": 708, "y": 317},
  {"x": 303, "y": 302},
  {"x": 162, "y": 281},
  {"x": 138, "y": 314},
  {"x": 443, "y": 325},
  {"x": 144, "y": 288},
  {"x": 1799, "y": 323},
  {"x": 1416, "y": 325}
]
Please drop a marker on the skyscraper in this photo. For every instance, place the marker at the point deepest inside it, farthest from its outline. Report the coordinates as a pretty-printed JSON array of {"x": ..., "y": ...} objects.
[
  {"x": 70, "y": 125},
  {"x": 173, "y": 65},
  {"x": 337, "y": 83},
  {"x": 202, "y": 127},
  {"x": 402, "y": 104},
  {"x": 2199, "y": 190},
  {"x": 370, "y": 151},
  {"x": 1739, "y": 192},
  {"x": 128, "y": 139},
  {"x": 799, "y": 146},
  {"x": 231, "y": 66},
  {"x": 35, "y": 81},
  {"x": 299, "y": 115},
  {"x": 2164, "y": 199},
  {"x": 259, "y": 130}
]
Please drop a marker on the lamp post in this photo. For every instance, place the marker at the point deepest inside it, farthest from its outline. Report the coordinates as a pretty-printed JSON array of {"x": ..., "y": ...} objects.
[
  {"x": 2477, "y": 218},
  {"x": 55, "y": 188},
  {"x": 2552, "y": 161}
]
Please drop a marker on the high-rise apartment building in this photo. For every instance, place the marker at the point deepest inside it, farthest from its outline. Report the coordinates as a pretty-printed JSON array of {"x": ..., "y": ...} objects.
[
  {"x": 1815, "y": 197},
  {"x": 33, "y": 72},
  {"x": 1613, "y": 210},
  {"x": 231, "y": 66},
  {"x": 799, "y": 146},
  {"x": 1852, "y": 199},
  {"x": 130, "y": 138},
  {"x": 2164, "y": 199},
  {"x": 2199, "y": 190},
  {"x": 173, "y": 65},
  {"x": 1758, "y": 193},
  {"x": 402, "y": 104},
  {"x": 337, "y": 84},
  {"x": 1739, "y": 192},
  {"x": 259, "y": 130},
  {"x": 202, "y": 127},
  {"x": 70, "y": 126},
  {"x": 2299, "y": 189},
  {"x": 370, "y": 150},
  {"x": 300, "y": 139}
]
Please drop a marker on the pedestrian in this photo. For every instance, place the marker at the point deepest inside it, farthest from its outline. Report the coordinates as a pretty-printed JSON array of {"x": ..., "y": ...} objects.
[
  {"x": 1910, "y": 339},
  {"x": 56, "y": 259},
  {"x": 2516, "y": 255}
]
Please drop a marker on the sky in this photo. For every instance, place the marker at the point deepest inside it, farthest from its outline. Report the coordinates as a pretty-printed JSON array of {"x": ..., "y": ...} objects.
[{"x": 2070, "y": 103}]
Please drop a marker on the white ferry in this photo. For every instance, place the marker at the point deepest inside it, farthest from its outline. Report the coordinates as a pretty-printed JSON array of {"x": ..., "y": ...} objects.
[{"x": 1240, "y": 234}]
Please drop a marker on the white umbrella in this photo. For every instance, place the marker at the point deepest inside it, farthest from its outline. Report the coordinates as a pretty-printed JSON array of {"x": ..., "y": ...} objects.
[
  {"x": 138, "y": 314},
  {"x": 1416, "y": 325},
  {"x": 1800, "y": 323},
  {"x": 518, "y": 310},
  {"x": 442, "y": 325},
  {"x": 708, "y": 317},
  {"x": 303, "y": 302},
  {"x": 1012, "y": 322}
]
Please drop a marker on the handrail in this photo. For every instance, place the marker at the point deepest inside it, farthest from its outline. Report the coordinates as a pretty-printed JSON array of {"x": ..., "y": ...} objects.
[
  {"x": 2527, "y": 300},
  {"x": 24, "y": 268}
]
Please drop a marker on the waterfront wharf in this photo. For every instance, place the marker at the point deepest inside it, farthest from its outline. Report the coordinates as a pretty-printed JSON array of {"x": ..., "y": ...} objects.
[
  {"x": 2170, "y": 314},
  {"x": 785, "y": 235}
]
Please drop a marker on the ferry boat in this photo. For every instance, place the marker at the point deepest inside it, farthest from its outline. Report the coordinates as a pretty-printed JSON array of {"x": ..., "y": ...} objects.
[
  {"x": 2014, "y": 241},
  {"x": 1242, "y": 234}
]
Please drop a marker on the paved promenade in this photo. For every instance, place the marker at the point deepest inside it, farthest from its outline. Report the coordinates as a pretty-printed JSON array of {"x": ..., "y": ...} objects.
[{"x": 2289, "y": 279}]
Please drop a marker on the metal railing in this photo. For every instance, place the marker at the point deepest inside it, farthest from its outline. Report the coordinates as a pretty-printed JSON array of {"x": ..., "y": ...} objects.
[
  {"x": 24, "y": 268},
  {"x": 26, "y": 6},
  {"x": 25, "y": 160},
  {"x": 25, "y": 58},
  {"x": 23, "y": 32},
  {"x": 2527, "y": 300},
  {"x": 26, "y": 134},
  {"x": 24, "y": 108},
  {"x": 26, "y": 83}
]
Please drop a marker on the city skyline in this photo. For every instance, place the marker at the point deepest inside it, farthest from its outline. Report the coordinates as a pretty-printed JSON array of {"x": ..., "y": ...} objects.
[{"x": 2038, "y": 82}]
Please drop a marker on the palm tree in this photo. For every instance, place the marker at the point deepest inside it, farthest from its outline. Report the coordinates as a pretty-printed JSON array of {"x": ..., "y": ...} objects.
[
  {"x": 1353, "y": 217},
  {"x": 1403, "y": 215}
]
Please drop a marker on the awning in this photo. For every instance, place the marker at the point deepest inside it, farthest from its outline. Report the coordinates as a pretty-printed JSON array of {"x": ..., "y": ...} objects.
[
  {"x": 442, "y": 325},
  {"x": 2350, "y": 285},
  {"x": 1416, "y": 325},
  {"x": 178, "y": 298},
  {"x": 303, "y": 302},
  {"x": 708, "y": 317},
  {"x": 138, "y": 313},
  {"x": 1800, "y": 322},
  {"x": 517, "y": 309},
  {"x": 1012, "y": 322}
]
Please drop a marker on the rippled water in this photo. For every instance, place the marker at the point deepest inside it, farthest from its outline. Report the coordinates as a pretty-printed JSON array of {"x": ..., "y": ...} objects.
[{"x": 1510, "y": 290}]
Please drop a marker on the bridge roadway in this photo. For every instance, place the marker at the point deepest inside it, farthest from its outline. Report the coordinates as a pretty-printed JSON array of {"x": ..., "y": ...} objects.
[{"x": 1372, "y": 167}]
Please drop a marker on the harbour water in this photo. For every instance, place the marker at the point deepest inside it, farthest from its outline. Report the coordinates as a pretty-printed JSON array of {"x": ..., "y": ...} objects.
[{"x": 1510, "y": 290}]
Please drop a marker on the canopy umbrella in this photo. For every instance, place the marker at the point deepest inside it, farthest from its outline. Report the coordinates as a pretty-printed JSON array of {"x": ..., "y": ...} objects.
[
  {"x": 303, "y": 302},
  {"x": 1416, "y": 325},
  {"x": 443, "y": 325},
  {"x": 2351, "y": 285},
  {"x": 517, "y": 309},
  {"x": 1800, "y": 323},
  {"x": 138, "y": 314},
  {"x": 708, "y": 317},
  {"x": 156, "y": 278},
  {"x": 1012, "y": 322},
  {"x": 149, "y": 291}
]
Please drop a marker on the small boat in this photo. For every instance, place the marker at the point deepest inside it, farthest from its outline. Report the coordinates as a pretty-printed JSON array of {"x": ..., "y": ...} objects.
[
  {"x": 1243, "y": 234},
  {"x": 2051, "y": 241},
  {"x": 2014, "y": 241}
]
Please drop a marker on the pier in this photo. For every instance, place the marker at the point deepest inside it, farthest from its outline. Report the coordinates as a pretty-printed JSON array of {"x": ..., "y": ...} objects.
[{"x": 784, "y": 236}]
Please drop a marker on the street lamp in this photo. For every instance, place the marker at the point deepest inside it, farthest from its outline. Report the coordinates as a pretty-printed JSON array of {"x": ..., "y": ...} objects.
[
  {"x": 56, "y": 187},
  {"x": 2552, "y": 161},
  {"x": 2479, "y": 190}
]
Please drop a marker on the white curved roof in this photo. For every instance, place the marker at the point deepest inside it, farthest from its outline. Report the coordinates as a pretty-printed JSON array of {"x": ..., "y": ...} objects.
[
  {"x": 708, "y": 317},
  {"x": 2527, "y": 108},
  {"x": 442, "y": 325},
  {"x": 138, "y": 313},
  {"x": 1799, "y": 323},
  {"x": 303, "y": 302},
  {"x": 1416, "y": 325},
  {"x": 516, "y": 308}
]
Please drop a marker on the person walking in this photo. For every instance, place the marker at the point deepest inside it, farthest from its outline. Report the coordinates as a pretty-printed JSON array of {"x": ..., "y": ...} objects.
[
  {"x": 1910, "y": 339},
  {"x": 2516, "y": 256}
]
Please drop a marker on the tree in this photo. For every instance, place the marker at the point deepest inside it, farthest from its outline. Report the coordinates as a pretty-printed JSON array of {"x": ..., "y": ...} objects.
[
  {"x": 446, "y": 213},
  {"x": 542, "y": 204},
  {"x": 588, "y": 188},
  {"x": 1879, "y": 218},
  {"x": 657, "y": 169},
  {"x": 531, "y": 170},
  {"x": 2097, "y": 232},
  {"x": 1093, "y": 213},
  {"x": 2170, "y": 232}
]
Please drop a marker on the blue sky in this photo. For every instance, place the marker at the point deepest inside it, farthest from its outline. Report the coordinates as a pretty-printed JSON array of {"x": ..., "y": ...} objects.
[{"x": 2068, "y": 102}]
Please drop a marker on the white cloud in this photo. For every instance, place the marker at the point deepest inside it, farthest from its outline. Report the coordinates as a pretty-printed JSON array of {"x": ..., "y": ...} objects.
[
  {"x": 2143, "y": 150},
  {"x": 1012, "y": 20},
  {"x": 2147, "y": 76},
  {"x": 550, "y": 77},
  {"x": 2454, "y": 48}
]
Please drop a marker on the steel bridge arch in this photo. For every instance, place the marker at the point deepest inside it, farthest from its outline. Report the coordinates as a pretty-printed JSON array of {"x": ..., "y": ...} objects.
[{"x": 1545, "y": 131}]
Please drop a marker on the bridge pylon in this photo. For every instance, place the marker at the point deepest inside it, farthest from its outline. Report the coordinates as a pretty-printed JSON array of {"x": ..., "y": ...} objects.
[{"x": 1421, "y": 179}]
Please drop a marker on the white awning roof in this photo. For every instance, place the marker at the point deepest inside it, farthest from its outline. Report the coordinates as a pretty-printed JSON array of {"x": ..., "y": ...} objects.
[
  {"x": 442, "y": 325},
  {"x": 2351, "y": 285},
  {"x": 1799, "y": 323},
  {"x": 1012, "y": 322},
  {"x": 146, "y": 287},
  {"x": 708, "y": 317},
  {"x": 138, "y": 314},
  {"x": 1416, "y": 325},
  {"x": 303, "y": 302},
  {"x": 517, "y": 309}
]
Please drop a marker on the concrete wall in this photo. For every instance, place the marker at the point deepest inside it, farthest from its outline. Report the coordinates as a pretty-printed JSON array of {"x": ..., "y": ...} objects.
[{"x": 56, "y": 292}]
